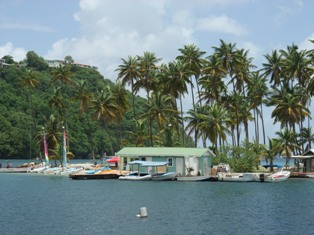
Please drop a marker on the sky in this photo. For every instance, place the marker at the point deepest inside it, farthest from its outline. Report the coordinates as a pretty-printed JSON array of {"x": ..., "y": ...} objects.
[{"x": 101, "y": 32}]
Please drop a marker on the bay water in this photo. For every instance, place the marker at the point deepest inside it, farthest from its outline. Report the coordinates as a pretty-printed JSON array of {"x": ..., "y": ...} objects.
[{"x": 42, "y": 204}]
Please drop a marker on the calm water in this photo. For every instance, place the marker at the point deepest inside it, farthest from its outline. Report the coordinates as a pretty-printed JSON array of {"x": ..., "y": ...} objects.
[{"x": 38, "y": 204}]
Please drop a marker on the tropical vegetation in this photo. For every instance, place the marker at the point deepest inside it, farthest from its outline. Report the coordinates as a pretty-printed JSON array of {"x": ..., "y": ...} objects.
[{"x": 228, "y": 98}]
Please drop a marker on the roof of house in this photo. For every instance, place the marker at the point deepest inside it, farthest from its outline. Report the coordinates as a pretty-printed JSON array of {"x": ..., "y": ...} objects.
[
  {"x": 164, "y": 152},
  {"x": 307, "y": 154}
]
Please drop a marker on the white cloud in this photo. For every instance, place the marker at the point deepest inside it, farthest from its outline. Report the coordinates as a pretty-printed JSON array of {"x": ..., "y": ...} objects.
[
  {"x": 221, "y": 24},
  {"x": 286, "y": 9},
  {"x": 111, "y": 31},
  {"x": 306, "y": 44},
  {"x": 18, "y": 54}
]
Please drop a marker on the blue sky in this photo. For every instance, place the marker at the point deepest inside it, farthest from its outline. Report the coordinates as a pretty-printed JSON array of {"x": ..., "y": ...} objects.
[{"x": 101, "y": 32}]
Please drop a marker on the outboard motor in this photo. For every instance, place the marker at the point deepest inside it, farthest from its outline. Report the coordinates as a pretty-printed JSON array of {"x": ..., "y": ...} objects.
[{"x": 261, "y": 177}]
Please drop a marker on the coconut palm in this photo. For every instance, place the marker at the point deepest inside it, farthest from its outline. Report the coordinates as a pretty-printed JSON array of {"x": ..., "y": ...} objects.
[
  {"x": 30, "y": 81},
  {"x": 287, "y": 141},
  {"x": 214, "y": 126},
  {"x": 272, "y": 151},
  {"x": 119, "y": 94},
  {"x": 148, "y": 65},
  {"x": 159, "y": 108},
  {"x": 57, "y": 102},
  {"x": 139, "y": 136},
  {"x": 272, "y": 67},
  {"x": 257, "y": 92},
  {"x": 307, "y": 138},
  {"x": 82, "y": 95},
  {"x": 194, "y": 118},
  {"x": 129, "y": 73},
  {"x": 211, "y": 79},
  {"x": 62, "y": 74},
  {"x": 105, "y": 110},
  {"x": 258, "y": 150},
  {"x": 191, "y": 56},
  {"x": 288, "y": 108},
  {"x": 175, "y": 79}
]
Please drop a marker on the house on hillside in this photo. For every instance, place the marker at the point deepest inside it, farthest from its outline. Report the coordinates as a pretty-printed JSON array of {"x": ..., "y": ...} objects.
[{"x": 183, "y": 161}]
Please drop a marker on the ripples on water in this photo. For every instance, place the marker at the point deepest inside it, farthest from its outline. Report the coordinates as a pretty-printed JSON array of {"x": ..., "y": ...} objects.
[{"x": 38, "y": 204}]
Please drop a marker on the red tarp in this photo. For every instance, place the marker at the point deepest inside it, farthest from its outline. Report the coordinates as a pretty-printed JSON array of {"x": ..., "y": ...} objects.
[{"x": 114, "y": 159}]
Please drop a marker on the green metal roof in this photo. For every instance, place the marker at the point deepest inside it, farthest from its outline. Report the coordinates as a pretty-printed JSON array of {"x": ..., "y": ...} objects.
[{"x": 164, "y": 151}]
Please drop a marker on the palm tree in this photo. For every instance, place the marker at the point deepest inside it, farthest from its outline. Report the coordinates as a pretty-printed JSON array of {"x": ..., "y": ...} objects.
[
  {"x": 287, "y": 141},
  {"x": 82, "y": 95},
  {"x": 57, "y": 102},
  {"x": 138, "y": 137},
  {"x": 256, "y": 94},
  {"x": 148, "y": 68},
  {"x": 175, "y": 79},
  {"x": 129, "y": 73},
  {"x": 62, "y": 74},
  {"x": 259, "y": 150},
  {"x": 297, "y": 65},
  {"x": 191, "y": 56},
  {"x": 30, "y": 82},
  {"x": 288, "y": 108},
  {"x": 194, "y": 118},
  {"x": 119, "y": 94},
  {"x": 105, "y": 110},
  {"x": 273, "y": 149},
  {"x": 273, "y": 68},
  {"x": 307, "y": 136},
  {"x": 211, "y": 80},
  {"x": 214, "y": 126},
  {"x": 159, "y": 108}
]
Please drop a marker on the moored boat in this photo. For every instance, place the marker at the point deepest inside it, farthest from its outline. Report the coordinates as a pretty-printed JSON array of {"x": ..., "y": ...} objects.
[
  {"x": 278, "y": 176},
  {"x": 154, "y": 171},
  {"x": 193, "y": 178}
]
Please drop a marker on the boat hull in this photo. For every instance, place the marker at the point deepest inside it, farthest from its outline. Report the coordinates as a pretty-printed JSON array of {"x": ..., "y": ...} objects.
[
  {"x": 193, "y": 178},
  {"x": 238, "y": 177},
  {"x": 278, "y": 176},
  {"x": 164, "y": 176},
  {"x": 136, "y": 177}
]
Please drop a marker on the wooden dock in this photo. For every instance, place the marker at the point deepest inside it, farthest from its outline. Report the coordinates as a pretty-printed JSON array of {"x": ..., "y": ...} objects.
[
  {"x": 14, "y": 170},
  {"x": 302, "y": 174}
]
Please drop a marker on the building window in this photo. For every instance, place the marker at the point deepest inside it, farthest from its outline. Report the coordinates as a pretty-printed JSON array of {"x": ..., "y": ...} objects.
[
  {"x": 143, "y": 158},
  {"x": 170, "y": 161}
]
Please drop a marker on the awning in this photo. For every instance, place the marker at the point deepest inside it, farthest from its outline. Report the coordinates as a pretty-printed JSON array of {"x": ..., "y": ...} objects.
[
  {"x": 114, "y": 159},
  {"x": 147, "y": 164},
  {"x": 272, "y": 165}
]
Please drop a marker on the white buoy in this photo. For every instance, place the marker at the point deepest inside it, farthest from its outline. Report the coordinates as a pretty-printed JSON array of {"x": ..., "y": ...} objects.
[{"x": 142, "y": 213}]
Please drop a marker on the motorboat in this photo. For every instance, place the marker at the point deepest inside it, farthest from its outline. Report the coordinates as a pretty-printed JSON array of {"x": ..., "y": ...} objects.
[
  {"x": 193, "y": 178},
  {"x": 136, "y": 176},
  {"x": 238, "y": 177},
  {"x": 154, "y": 171},
  {"x": 278, "y": 176}
]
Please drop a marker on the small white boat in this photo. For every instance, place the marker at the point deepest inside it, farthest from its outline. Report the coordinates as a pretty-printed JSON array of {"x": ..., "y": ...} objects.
[
  {"x": 278, "y": 176},
  {"x": 151, "y": 173},
  {"x": 193, "y": 178},
  {"x": 135, "y": 176},
  {"x": 238, "y": 177}
]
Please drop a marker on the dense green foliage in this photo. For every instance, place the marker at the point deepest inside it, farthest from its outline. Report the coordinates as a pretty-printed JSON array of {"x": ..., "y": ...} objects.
[{"x": 25, "y": 109}]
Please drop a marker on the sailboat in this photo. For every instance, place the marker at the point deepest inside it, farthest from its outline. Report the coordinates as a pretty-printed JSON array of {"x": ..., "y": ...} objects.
[{"x": 46, "y": 164}]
